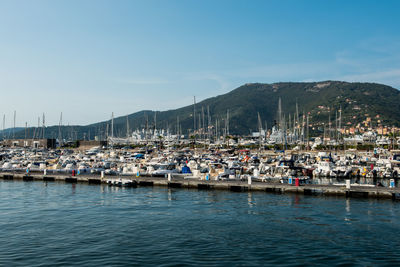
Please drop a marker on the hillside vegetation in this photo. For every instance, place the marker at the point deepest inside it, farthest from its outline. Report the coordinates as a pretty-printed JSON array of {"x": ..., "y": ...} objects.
[{"x": 319, "y": 99}]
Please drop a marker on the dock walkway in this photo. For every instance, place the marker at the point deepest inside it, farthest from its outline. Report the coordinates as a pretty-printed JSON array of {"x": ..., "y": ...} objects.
[{"x": 235, "y": 185}]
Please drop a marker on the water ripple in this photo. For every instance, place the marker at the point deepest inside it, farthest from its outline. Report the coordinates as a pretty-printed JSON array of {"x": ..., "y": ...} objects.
[{"x": 57, "y": 224}]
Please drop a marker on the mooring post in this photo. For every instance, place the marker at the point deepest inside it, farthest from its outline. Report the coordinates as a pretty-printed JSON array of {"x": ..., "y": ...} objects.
[{"x": 348, "y": 186}]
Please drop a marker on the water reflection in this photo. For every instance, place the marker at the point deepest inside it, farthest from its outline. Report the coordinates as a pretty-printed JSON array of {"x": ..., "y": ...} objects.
[
  {"x": 250, "y": 201},
  {"x": 296, "y": 200},
  {"x": 348, "y": 206},
  {"x": 169, "y": 194},
  {"x": 73, "y": 187}
]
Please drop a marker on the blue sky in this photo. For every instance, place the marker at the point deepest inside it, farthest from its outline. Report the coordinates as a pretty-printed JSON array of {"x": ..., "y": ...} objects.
[{"x": 90, "y": 58}]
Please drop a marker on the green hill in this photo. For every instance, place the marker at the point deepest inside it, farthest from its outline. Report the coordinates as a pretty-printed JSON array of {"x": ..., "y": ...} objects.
[{"x": 357, "y": 100}]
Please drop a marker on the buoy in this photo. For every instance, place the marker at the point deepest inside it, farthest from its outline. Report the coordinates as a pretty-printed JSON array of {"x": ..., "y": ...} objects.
[
  {"x": 249, "y": 180},
  {"x": 391, "y": 185},
  {"x": 169, "y": 177},
  {"x": 45, "y": 172},
  {"x": 297, "y": 181},
  {"x": 102, "y": 174}
]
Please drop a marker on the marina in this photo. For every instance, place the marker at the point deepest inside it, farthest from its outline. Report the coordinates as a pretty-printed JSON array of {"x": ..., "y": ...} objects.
[
  {"x": 350, "y": 174},
  {"x": 199, "y": 133}
]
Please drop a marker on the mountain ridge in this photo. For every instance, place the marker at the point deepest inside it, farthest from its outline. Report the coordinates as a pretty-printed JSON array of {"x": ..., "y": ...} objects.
[{"x": 318, "y": 99}]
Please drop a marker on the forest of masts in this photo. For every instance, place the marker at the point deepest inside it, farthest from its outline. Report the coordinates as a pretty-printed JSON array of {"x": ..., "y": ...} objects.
[
  {"x": 291, "y": 129},
  {"x": 296, "y": 129}
]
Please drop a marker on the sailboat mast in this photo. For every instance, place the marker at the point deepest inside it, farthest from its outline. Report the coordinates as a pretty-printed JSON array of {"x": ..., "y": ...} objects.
[
  {"x": 216, "y": 128},
  {"x": 202, "y": 115},
  {"x": 297, "y": 118},
  {"x": 209, "y": 121},
  {"x": 280, "y": 114},
  {"x": 259, "y": 128},
  {"x": 147, "y": 128},
  {"x": 289, "y": 125},
  {"x": 59, "y": 131},
  {"x": 38, "y": 128},
  {"x": 4, "y": 125},
  {"x": 308, "y": 134},
  {"x": 295, "y": 128},
  {"x": 15, "y": 117},
  {"x": 336, "y": 124},
  {"x": 302, "y": 128},
  {"x": 194, "y": 113},
  {"x": 127, "y": 127},
  {"x": 155, "y": 121},
  {"x": 329, "y": 125},
  {"x": 227, "y": 122},
  {"x": 199, "y": 124},
  {"x": 43, "y": 125},
  {"x": 340, "y": 121},
  {"x": 112, "y": 125}
]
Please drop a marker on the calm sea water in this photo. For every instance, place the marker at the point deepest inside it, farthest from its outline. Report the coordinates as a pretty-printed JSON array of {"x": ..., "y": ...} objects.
[{"x": 57, "y": 224}]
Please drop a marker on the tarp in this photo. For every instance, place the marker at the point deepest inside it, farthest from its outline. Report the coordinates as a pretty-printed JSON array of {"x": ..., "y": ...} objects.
[{"x": 186, "y": 169}]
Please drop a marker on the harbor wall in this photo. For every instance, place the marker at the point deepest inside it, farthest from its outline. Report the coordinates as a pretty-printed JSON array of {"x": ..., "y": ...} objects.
[{"x": 235, "y": 186}]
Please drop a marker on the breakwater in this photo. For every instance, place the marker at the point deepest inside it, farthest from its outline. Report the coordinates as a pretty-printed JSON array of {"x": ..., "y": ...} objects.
[{"x": 231, "y": 185}]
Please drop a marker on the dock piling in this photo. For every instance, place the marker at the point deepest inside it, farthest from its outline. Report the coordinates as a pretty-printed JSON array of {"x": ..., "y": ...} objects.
[{"x": 348, "y": 184}]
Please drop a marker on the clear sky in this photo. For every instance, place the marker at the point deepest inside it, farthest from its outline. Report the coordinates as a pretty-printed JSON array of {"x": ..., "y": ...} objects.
[{"x": 90, "y": 58}]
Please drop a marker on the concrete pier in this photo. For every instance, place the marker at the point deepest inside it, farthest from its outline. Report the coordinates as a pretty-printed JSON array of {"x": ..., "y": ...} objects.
[{"x": 231, "y": 185}]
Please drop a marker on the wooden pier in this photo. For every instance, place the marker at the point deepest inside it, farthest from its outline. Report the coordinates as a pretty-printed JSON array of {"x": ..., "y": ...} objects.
[{"x": 236, "y": 186}]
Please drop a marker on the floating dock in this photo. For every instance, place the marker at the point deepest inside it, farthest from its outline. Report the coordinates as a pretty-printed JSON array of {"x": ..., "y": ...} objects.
[{"x": 232, "y": 185}]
